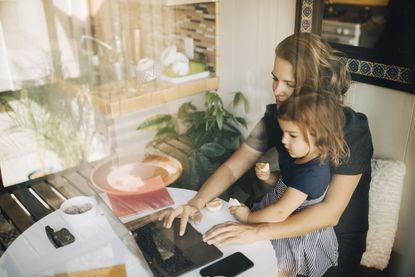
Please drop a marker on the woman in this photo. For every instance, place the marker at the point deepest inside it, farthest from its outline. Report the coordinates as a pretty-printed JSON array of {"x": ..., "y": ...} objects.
[{"x": 303, "y": 62}]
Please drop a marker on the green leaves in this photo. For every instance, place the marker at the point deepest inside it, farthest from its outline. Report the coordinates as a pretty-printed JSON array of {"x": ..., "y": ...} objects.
[
  {"x": 240, "y": 98},
  {"x": 185, "y": 109},
  {"x": 155, "y": 122},
  {"x": 212, "y": 134},
  {"x": 212, "y": 150}
]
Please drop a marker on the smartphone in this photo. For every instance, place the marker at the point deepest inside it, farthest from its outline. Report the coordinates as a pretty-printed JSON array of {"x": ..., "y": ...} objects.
[{"x": 229, "y": 266}]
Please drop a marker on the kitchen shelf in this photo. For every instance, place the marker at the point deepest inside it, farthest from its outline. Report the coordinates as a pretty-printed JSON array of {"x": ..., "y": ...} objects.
[
  {"x": 174, "y": 2},
  {"x": 117, "y": 98},
  {"x": 184, "y": 2}
]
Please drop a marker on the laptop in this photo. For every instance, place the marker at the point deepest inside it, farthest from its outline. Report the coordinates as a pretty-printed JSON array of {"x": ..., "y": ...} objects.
[
  {"x": 165, "y": 252},
  {"x": 169, "y": 254}
]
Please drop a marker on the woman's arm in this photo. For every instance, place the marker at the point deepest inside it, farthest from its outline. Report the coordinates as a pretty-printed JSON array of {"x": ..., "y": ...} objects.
[
  {"x": 230, "y": 171},
  {"x": 321, "y": 215}
]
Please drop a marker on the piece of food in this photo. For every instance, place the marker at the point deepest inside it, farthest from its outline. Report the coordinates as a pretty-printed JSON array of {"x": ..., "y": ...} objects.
[
  {"x": 233, "y": 202},
  {"x": 263, "y": 167},
  {"x": 78, "y": 209},
  {"x": 214, "y": 205}
]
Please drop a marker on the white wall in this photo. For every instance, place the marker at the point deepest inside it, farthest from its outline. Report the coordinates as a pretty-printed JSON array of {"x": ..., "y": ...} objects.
[
  {"x": 392, "y": 124},
  {"x": 249, "y": 32}
]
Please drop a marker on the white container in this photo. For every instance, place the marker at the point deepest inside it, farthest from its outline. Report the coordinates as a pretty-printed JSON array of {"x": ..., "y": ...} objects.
[{"x": 79, "y": 210}]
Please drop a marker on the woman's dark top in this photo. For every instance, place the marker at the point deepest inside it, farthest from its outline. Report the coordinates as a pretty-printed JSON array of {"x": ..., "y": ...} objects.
[{"x": 267, "y": 134}]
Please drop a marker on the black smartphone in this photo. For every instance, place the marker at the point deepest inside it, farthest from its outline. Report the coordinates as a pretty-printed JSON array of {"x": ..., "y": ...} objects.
[
  {"x": 231, "y": 265},
  {"x": 59, "y": 238}
]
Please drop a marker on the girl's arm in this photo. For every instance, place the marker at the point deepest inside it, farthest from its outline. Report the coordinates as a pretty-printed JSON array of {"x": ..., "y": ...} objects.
[
  {"x": 324, "y": 214},
  {"x": 280, "y": 210},
  {"x": 276, "y": 212}
]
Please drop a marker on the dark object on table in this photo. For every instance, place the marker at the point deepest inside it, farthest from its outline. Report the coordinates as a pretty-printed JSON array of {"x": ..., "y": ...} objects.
[
  {"x": 169, "y": 254},
  {"x": 59, "y": 238},
  {"x": 229, "y": 266}
]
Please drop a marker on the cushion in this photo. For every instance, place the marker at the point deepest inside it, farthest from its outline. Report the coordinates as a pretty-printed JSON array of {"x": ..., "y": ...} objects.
[{"x": 384, "y": 203}]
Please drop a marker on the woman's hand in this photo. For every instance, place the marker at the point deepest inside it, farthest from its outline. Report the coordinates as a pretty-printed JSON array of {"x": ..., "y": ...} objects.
[
  {"x": 231, "y": 233},
  {"x": 240, "y": 212},
  {"x": 184, "y": 212}
]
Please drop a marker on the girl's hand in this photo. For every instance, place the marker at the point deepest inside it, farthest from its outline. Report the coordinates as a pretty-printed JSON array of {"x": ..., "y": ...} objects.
[
  {"x": 262, "y": 171},
  {"x": 240, "y": 212}
]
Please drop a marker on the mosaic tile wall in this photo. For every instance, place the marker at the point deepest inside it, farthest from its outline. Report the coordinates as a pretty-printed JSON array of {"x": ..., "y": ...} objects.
[{"x": 161, "y": 26}]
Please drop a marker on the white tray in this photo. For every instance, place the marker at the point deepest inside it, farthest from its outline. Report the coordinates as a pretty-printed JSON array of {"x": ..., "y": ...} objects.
[{"x": 187, "y": 78}]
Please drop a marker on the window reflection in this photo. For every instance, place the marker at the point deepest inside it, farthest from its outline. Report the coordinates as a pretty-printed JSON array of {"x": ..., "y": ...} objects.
[
  {"x": 47, "y": 119},
  {"x": 354, "y": 25}
]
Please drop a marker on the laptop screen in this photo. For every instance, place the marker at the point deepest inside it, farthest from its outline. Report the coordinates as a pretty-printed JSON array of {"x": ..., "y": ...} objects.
[{"x": 169, "y": 254}]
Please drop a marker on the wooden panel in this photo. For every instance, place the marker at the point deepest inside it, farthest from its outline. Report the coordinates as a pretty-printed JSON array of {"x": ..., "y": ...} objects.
[
  {"x": 154, "y": 96},
  {"x": 180, "y": 145},
  {"x": 85, "y": 171},
  {"x": 63, "y": 186},
  {"x": 48, "y": 195},
  {"x": 32, "y": 204},
  {"x": 8, "y": 233},
  {"x": 79, "y": 182},
  {"x": 1, "y": 180},
  {"x": 170, "y": 150},
  {"x": 13, "y": 211},
  {"x": 191, "y": 88},
  {"x": 360, "y": 2},
  {"x": 184, "y": 2}
]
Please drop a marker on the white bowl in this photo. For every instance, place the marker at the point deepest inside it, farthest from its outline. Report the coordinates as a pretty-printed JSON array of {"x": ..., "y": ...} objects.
[{"x": 79, "y": 206}]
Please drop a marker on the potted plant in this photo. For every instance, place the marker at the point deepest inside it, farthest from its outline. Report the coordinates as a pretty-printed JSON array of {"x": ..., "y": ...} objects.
[{"x": 212, "y": 135}]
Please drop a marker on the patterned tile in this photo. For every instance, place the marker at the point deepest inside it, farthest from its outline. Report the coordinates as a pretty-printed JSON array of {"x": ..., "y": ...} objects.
[
  {"x": 361, "y": 67},
  {"x": 379, "y": 70},
  {"x": 405, "y": 76},
  {"x": 392, "y": 72},
  {"x": 365, "y": 68},
  {"x": 306, "y": 16},
  {"x": 353, "y": 66}
]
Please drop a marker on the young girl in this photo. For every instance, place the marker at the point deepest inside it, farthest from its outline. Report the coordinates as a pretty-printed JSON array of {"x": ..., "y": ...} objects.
[{"x": 312, "y": 134}]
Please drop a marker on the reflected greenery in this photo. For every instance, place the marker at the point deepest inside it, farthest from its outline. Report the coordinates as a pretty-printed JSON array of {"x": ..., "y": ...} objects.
[{"x": 58, "y": 121}]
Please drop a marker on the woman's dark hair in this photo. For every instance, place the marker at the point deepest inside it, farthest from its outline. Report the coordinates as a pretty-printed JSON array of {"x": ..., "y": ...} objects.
[{"x": 315, "y": 64}]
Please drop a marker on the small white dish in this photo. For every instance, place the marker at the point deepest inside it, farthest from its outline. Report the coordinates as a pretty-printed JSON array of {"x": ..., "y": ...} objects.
[{"x": 79, "y": 205}]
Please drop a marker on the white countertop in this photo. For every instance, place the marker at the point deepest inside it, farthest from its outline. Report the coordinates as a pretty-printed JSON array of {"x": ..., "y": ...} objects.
[{"x": 100, "y": 244}]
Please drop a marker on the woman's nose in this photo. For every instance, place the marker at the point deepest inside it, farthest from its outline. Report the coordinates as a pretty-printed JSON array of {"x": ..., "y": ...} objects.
[{"x": 278, "y": 89}]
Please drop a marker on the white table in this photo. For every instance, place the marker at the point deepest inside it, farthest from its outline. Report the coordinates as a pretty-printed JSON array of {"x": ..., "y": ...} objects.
[{"x": 101, "y": 243}]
